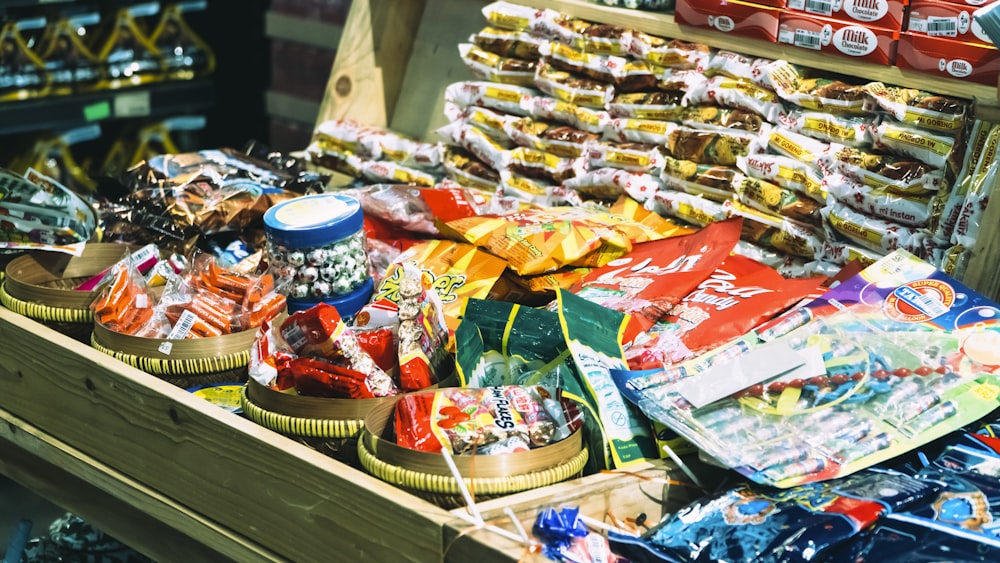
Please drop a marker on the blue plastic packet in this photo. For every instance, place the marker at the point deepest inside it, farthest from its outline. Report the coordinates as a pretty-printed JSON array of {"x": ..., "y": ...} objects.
[
  {"x": 903, "y": 539},
  {"x": 763, "y": 525}
]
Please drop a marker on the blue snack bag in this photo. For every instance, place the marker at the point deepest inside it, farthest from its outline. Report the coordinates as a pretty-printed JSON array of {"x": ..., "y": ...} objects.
[
  {"x": 900, "y": 538},
  {"x": 775, "y": 525}
]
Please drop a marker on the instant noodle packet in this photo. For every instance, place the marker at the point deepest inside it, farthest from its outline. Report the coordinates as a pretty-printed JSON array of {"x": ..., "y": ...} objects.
[
  {"x": 912, "y": 211},
  {"x": 610, "y": 183},
  {"x": 849, "y": 130},
  {"x": 587, "y": 119},
  {"x": 545, "y": 22},
  {"x": 691, "y": 209},
  {"x": 495, "y": 68},
  {"x": 883, "y": 171},
  {"x": 555, "y": 139},
  {"x": 565, "y": 86},
  {"x": 711, "y": 181},
  {"x": 493, "y": 123},
  {"x": 772, "y": 198},
  {"x": 786, "y": 172},
  {"x": 912, "y": 142},
  {"x": 738, "y": 94},
  {"x": 669, "y": 53},
  {"x": 660, "y": 105},
  {"x": 507, "y": 43},
  {"x": 634, "y": 157},
  {"x": 504, "y": 98},
  {"x": 718, "y": 146},
  {"x": 872, "y": 233},
  {"x": 923, "y": 109}
]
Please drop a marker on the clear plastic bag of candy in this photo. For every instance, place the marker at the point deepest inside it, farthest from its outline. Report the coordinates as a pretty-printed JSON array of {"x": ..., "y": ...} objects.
[
  {"x": 483, "y": 421},
  {"x": 888, "y": 360}
]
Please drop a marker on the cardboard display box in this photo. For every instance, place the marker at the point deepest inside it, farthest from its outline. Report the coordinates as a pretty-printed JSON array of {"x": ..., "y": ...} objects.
[
  {"x": 734, "y": 17},
  {"x": 887, "y": 14},
  {"x": 828, "y": 35},
  {"x": 940, "y": 18},
  {"x": 975, "y": 62}
]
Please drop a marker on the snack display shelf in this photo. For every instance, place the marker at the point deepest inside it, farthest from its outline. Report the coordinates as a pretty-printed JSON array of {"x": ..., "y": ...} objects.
[{"x": 66, "y": 112}]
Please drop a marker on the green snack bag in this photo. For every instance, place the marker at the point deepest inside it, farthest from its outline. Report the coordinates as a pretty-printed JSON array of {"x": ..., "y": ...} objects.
[
  {"x": 593, "y": 334},
  {"x": 500, "y": 343}
]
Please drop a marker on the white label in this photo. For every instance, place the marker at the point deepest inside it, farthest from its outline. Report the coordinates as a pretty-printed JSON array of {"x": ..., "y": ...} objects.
[
  {"x": 822, "y": 7},
  {"x": 797, "y": 4},
  {"x": 724, "y": 24},
  {"x": 133, "y": 104},
  {"x": 942, "y": 27},
  {"x": 184, "y": 325},
  {"x": 807, "y": 39},
  {"x": 165, "y": 348},
  {"x": 753, "y": 367},
  {"x": 866, "y": 10},
  {"x": 959, "y": 68},
  {"x": 964, "y": 21},
  {"x": 855, "y": 41}
]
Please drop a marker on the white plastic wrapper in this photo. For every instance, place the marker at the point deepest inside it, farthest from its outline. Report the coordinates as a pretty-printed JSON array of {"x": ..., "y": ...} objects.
[
  {"x": 587, "y": 119},
  {"x": 543, "y": 166},
  {"x": 882, "y": 171},
  {"x": 546, "y": 22},
  {"x": 508, "y": 43},
  {"x": 734, "y": 93},
  {"x": 403, "y": 151},
  {"x": 771, "y": 198},
  {"x": 733, "y": 65},
  {"x": 840, "y": 253},
  {"x": 669, "y": 53},
  {"x": 688, "y": 208},
  {"x": 475, "y": 141},
  {"x": 648, "y": 131},
  {"x": 643, "y": 158},
  {"x": 388, "y": 172},
  {"x": 713, "y": 117},
  {"x": 505, "y": 98},
  {"x": 852, "y": 131},
  {"x": 982, "y": 143},
  {"x": 468, "y": 171},
  {"x": 610, "y": 183},
  {"x": 923, "y": 109},
  {"x": 786, "y": 172},
  {"x": 600, "y": 38},
  {"x": 324, "y": 156},
  {"x": 707, "y": 180},
  {"x": 879, "y": 202},
  {"x": 778, "y": 233},
  {"x": 814, "y": 268},
  {"x": 344, "y": 136},
  {"x": 564, "y": 86},
  {"x": 715, "y": 146},
  {"x": 765, "y": 256},
  {"x": 976, "y": 201},
  {"x": 521, "y": 188},
  {"x": 493, "y": 123},
  {"x": 598, "y": 67},
  {"x": 556, "y": 139},
  {"x": 800, "y": 147},
  {"x": 817, "y": 94},
  {"x": 873, "y": 233},
  {"x": 494, "y": 68},
  {"x": 646, "y": 105},
  {"x": 909, "y": 141}
]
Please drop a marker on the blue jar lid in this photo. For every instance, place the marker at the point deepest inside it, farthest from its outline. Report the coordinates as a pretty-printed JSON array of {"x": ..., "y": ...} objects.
[
  {"x": 313, "y": 220},
  {"x": 347, "y": 305}
]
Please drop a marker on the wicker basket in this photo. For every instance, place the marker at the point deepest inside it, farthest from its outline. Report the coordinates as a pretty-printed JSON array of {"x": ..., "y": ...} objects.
[
  {"x": 331, "y": 426},
  {"x": 40, "y": 286},
  {"x": 185, "y": 363},
  {"x": 488, "y": 476}
]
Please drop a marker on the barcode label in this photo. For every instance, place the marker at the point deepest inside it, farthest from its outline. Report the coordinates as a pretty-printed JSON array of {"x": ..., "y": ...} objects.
[
  {"x": 942, "y": 26},
  {"x": 823, "y": 7},
  {"x": 807, "y": 39},
  {"x": 183, "y": 326}
]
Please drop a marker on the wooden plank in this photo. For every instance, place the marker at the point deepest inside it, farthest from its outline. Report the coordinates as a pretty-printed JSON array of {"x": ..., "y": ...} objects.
[
  {"x": 665, "y": 26},
  {"x": 302, "y": 30},
  {"x": 983, "y": 273},
  {"x": 372, "y": 57},
  {"x": 291, "y": 107},
  {"x": 603, "y": 497},
  {"x": 291, "y": 500},
  {"x": 435, "y": 64},
  {"x": 140, "y": 517}
]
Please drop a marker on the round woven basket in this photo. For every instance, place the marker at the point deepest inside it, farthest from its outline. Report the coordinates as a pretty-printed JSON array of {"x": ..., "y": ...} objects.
[
  {"x": 40, "y": 286},
  {"x": 331, "y": 426},
  {"x": 185, "y": 363},
  {"x": 427, "y": 474}
]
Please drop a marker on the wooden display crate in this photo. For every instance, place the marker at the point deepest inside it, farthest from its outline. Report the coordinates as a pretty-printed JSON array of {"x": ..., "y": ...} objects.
[{"x": 182, "y": 480}]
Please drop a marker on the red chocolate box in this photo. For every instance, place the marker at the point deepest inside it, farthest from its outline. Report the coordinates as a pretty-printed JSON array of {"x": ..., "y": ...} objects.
[
  {"x": 732, "y": 16},
  {"x": 949, "y": 58},
  {"x": 939, "y": 18},
  {"x": 871, "y": 44},
  {"x": 887, "y": 14}
]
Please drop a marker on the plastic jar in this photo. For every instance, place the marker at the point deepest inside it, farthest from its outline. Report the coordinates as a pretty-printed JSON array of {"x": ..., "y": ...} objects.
[{"x": 316, "y": 244}]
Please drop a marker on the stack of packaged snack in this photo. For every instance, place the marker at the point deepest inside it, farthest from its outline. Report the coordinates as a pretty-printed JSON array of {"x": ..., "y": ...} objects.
[{"x": 822, "y": 170}]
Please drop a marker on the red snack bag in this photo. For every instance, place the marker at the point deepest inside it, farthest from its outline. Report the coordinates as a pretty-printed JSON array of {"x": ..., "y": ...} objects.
[
  {"x": 738, "y": 296},
  {"x": 490, "y": 420},
  {"x": 654, "y": 276},
  {"x": 319, "y": 332},
  {"x": 318, "y": 378},
  {"x": 380, "y": 344}
]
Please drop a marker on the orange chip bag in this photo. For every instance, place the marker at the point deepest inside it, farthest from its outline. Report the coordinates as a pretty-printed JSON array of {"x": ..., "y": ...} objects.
[
  {"x": 738, "y": 296},
  {"x": 454, "y": 270},
  {"x": 538, "y": 241}
]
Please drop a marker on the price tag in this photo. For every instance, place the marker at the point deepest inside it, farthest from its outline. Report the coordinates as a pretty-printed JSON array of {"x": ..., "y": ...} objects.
[
  {"x": 132, "y": 104},
  {"x": 97, "y": 111}
]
